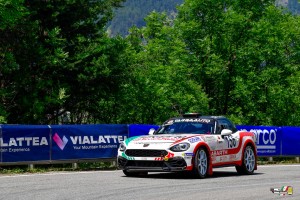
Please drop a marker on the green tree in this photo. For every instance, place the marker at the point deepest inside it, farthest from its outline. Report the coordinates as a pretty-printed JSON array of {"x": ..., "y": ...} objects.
[
  {"x": 265, "y": 83},
  {"x": 11, "y": 32},
  {"x": 57, "y": 57},
  {"x": 161, "y": 86},
  {"x": 243, "y": 53}
]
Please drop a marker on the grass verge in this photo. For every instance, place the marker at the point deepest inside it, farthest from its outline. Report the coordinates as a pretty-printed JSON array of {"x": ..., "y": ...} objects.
[{"x": 88, "y": 166}]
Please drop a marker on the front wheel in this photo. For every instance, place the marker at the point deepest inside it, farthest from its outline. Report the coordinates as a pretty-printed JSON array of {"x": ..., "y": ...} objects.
[
  {"x": 201, "y": 163},
  {"x": 249, "y": 161}
]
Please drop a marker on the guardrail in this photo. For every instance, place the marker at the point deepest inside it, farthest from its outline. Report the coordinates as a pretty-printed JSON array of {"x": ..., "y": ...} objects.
[{"x": 45, "y": 144}]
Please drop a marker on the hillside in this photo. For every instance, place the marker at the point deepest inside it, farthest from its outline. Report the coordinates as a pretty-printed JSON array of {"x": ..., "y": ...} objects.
[{"x": 133, "y": 12}]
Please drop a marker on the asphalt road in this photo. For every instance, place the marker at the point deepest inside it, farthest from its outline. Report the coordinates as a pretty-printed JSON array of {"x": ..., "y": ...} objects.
[{"x": 113, "y": 185}]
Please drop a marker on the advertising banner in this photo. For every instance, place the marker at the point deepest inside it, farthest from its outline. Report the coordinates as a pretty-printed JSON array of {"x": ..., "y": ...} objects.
[
  {"x": 22, "y": 143},
  {"x": 291, "y": 141},
  {"x": 268, "y": 139},
  {"x": 71, "y": 142},
  {"x": 140, "y": 129},
  {"x": 33, "y": 143}
]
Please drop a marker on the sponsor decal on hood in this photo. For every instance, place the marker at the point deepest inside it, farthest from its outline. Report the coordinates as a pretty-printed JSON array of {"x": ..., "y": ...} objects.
[{"x": 158, "y": 139}]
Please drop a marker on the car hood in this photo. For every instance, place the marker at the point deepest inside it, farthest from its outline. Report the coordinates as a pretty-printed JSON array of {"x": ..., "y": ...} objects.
[{"x": 157, "y": 140}]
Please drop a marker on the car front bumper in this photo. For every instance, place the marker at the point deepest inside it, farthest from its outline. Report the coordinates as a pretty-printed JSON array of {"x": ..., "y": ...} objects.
[{"x": 171, "y": 165}]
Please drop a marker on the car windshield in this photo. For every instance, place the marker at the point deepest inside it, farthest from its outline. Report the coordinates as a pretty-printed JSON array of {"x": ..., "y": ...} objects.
[{"x": 193, "y": 127}]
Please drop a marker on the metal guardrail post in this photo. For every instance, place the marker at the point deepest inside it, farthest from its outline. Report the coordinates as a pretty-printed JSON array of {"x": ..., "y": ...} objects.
[
  {"x": 31, "y": 166},
  {"x": 113, "y": 164},
  {"x": 270, "y": 159},
  {"x": 297, "y": 159},
  {"x": 74, "y": 165}
]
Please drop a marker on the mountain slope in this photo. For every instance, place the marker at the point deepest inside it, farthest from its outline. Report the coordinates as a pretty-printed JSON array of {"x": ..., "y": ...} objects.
[{"x": 133, "y": 12}]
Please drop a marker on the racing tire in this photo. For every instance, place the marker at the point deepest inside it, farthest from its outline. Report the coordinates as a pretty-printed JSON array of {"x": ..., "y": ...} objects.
[
  {"x": 248, "y": 162},
  {"x": 135, "y": 174},
  {"x": 201, "y": 164}
]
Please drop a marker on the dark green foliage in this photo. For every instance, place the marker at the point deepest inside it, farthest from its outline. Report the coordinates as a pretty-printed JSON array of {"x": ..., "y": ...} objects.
[
  {"x": 244, "y": 60},
  {"x": 161, "y": 85},
  {"x": 233, "y": 58},
  {"x": 52, "y": 52}
]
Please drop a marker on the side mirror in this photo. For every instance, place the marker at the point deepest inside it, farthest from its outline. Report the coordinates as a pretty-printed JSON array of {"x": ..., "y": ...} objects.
[
  {"x": 151, "y": 131},
  {"x": 226, "y": 132}
]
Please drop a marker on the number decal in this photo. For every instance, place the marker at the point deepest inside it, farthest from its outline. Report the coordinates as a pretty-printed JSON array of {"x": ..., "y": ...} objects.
[{"x": 230, "y": 141}]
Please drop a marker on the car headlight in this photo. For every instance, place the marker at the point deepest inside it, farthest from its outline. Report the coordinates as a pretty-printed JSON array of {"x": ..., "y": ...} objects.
[
  {"x": 180, "y": 147},
  {"x": 122, "y": 146}
]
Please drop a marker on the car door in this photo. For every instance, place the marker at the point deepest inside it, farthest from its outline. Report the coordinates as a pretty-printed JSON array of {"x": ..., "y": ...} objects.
[{"x": 227, "y": 146}]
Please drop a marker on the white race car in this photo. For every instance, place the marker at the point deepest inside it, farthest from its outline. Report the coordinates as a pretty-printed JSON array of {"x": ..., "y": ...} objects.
[{"x": 189, "y": 143}]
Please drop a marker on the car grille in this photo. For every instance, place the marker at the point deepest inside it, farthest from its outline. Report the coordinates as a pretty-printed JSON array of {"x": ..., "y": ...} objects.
[
  {"x": 146, "y": 153},
  {"x": 148, "y": 164}
]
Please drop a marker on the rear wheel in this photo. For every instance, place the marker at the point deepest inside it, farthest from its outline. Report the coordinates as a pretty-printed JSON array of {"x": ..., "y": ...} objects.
[
  {"x": 249, "y": 161},
  {"x": 201, "y": 163},
  {"x": 134, "y": 174}
]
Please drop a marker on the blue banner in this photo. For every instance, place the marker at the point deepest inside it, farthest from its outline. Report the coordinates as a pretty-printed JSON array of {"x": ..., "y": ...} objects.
[
  {"x": 30, "y": 143},
  {"x": 140, "y": 129},
  {"x": 71, "y": 142},
  {"x": 22, "y": 143},
  {"x": 290, "y": 141},
  {"x": 268, "y": 139}
]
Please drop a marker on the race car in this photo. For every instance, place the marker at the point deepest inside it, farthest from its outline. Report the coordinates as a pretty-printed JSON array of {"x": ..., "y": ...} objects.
[{"x": 191, "y": 143}]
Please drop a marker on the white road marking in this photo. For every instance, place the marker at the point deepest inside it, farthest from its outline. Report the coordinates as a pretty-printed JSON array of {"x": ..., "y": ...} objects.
[{"x": 288, "y": 165}]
